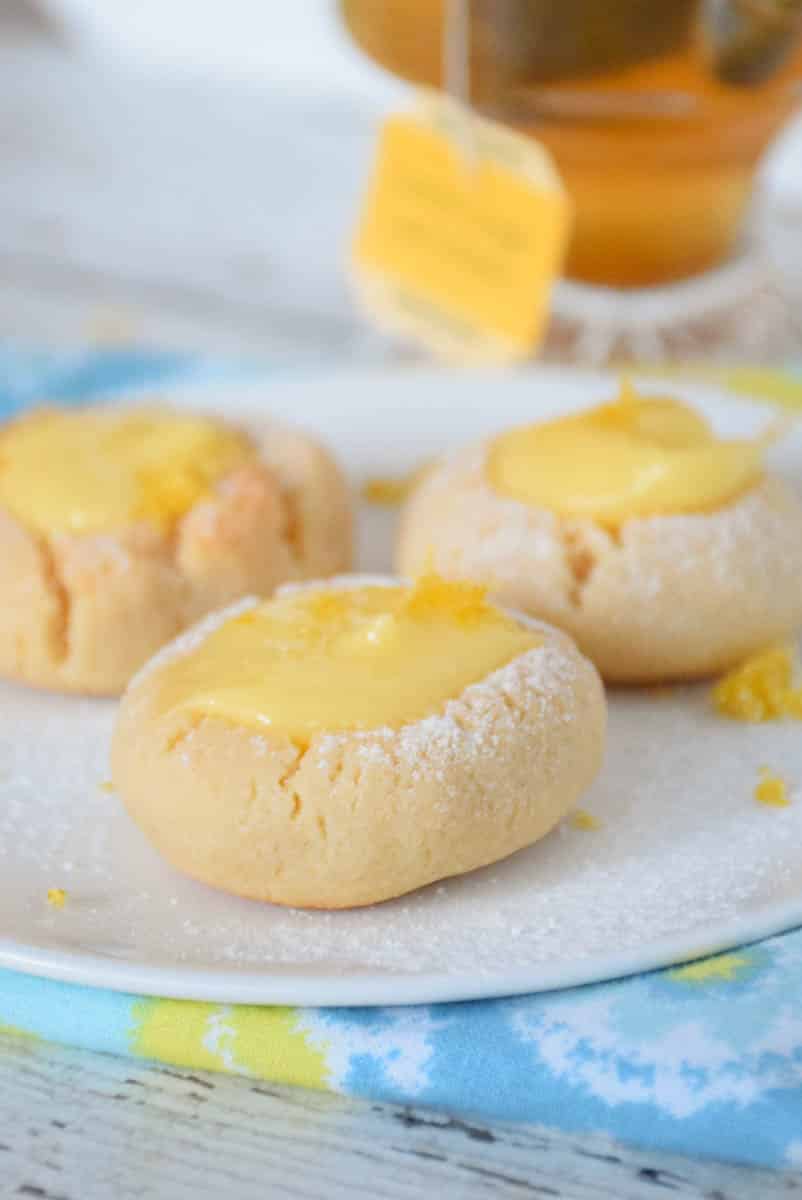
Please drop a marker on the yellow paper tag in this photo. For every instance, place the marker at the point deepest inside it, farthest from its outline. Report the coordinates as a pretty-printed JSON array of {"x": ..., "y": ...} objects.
[{"x": 462, "y": 234}]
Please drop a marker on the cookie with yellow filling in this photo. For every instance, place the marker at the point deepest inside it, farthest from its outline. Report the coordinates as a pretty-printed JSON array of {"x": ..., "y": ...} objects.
[
  {"x": 665, "y": 551},
  {"x": 343, "y": 744},
  {"x": 121, "y": 526}
]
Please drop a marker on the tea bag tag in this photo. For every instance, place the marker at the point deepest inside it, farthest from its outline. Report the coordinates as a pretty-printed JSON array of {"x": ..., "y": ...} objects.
[{"x": 462, "y": 233}]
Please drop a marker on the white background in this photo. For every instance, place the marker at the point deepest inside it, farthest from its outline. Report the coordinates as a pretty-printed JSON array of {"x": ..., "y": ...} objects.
[{"x": 271, "y": 43}]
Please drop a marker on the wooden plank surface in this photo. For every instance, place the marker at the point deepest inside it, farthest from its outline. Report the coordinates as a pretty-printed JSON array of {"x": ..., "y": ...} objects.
[{"x": 78, "y": 1126}]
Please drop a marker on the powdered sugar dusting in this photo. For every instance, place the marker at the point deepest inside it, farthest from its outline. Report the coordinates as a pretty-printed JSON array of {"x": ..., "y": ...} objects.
[
  {"x": 533, "y": 680},
  {"x": 505, "y": 532},
  {"x": 682, "y": 848}
]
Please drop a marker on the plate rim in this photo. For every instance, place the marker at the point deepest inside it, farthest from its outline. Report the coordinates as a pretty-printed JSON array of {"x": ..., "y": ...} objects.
[{"x": 384, "y": 987}]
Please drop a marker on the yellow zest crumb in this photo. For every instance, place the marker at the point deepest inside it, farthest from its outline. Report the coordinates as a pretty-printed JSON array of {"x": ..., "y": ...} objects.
[
  {"x": 771, "y": 790},
  {"x": 761, "y": 689},
  {"x": 432, "y": 596},
  {"x": 387, "y": 491},
  {"x": 328, "y": 605},
  {"x": 56, "y": 897},
  {"x": 580, "y": 819},
  {"x": 106, "y": 785}
]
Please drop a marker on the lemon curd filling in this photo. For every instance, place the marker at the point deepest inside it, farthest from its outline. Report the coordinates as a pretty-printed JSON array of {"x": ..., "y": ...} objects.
[
  {"x": 94, "y": 471},
  {"x": 635, "y": 457},
  {"x": 354, "y": 658}
]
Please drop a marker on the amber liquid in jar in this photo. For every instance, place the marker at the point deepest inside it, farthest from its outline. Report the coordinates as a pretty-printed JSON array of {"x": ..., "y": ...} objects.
[{"x": 657, "y": 111}]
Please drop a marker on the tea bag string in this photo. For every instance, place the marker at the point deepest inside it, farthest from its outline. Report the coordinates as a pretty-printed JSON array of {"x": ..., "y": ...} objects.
[{"x": 457, "y": 71}]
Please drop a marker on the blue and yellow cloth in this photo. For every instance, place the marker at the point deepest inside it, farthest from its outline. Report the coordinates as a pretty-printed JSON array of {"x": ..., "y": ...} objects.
[{"x": 702, "y": 1059}]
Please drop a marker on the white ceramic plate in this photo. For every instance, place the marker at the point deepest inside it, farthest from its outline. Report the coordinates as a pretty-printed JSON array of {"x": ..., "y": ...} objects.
[{"x": 685, "y": 862}]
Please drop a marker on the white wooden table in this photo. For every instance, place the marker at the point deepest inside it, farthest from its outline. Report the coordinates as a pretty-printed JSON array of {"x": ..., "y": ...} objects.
[
  {"x": 77, "y": 1126},
  {"x": 171, "y": 213}
]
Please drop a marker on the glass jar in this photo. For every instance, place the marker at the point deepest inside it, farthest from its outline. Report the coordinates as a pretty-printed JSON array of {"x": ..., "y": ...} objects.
[{"x": 657, "y": 112}]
